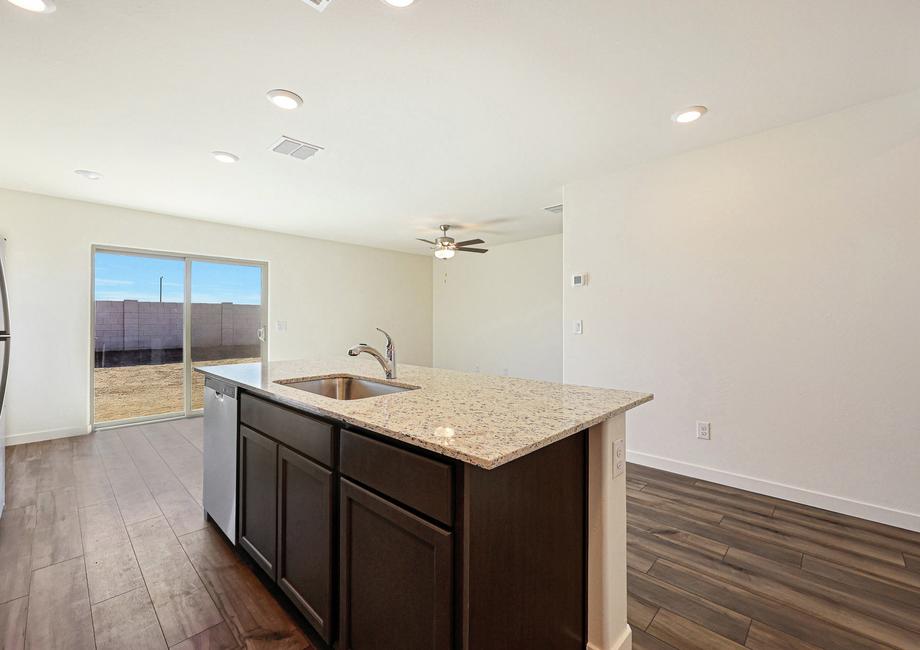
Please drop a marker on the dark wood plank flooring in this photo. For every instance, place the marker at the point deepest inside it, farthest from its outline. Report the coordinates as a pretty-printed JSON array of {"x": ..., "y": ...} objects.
[
  {"x": 103, "y": 545},
  {"x": 716, "y": 567}
]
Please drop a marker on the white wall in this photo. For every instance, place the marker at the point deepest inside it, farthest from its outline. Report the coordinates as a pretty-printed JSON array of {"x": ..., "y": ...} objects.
[
  {"x": 331, "y": 295},
  {"x": 770, "y": 285},
  {"x": 501, "y": 312}
]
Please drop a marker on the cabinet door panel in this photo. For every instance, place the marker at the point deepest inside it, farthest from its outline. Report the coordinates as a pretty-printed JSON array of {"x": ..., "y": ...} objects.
[
  {"x": 305, "y": 537},
  {"x": 258, "y": 497},
  {"x": 396, "y": 583}
]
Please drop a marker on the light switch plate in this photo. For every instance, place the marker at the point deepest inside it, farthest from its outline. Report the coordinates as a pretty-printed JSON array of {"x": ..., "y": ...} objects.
[{"x": 578, "y": 327}]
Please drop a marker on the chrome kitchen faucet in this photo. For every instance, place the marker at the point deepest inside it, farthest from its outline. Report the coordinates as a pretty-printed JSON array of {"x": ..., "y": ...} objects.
[{"x": 388, "y": 362}]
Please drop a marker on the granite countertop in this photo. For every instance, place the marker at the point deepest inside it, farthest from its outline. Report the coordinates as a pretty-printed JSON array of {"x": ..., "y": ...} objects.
[{"x": 480, "y": 419}]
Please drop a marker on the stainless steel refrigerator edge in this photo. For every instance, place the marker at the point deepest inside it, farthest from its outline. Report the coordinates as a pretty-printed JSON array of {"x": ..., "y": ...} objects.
[
  {"x": 4, "y": 368},
  {"x": 220, "y": 424}
]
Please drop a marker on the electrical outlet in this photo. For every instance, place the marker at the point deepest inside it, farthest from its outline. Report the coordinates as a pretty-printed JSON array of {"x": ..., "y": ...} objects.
[
  {"x": 281, "y": 326},
  {"x": 704, "y": 431},
  {"x": 619, "y": 457}
]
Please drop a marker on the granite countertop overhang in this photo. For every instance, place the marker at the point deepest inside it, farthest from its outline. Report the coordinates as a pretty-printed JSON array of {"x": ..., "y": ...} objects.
[{"x": 479, "y": 419}]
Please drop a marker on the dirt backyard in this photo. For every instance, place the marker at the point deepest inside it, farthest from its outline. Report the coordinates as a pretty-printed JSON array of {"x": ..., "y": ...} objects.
[{"x": 135, "y": 391}]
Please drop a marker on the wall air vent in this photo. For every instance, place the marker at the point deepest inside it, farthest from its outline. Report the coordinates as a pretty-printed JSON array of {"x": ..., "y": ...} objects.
[
  {"x": 555, "y": 209},
  {"x": 319, "y": 5},
  {"x": 295, "y": 148}
]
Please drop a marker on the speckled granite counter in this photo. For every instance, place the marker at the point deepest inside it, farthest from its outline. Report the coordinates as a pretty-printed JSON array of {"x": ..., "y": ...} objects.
[{"x": 480, "y": 419}]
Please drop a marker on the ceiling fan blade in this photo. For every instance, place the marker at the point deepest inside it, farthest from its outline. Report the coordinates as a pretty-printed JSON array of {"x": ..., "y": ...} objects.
[
  {"x": 427, "y": 241},
  {"x": 473, "y": 250},
  {"x": 469, "y": 242}
]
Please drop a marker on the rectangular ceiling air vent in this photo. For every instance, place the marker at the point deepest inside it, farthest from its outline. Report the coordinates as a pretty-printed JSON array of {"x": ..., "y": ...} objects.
[
  {"x": 295, "y": 148},
  {"x": 555, "y": 209},
  {"x": 319, "y": 5}
]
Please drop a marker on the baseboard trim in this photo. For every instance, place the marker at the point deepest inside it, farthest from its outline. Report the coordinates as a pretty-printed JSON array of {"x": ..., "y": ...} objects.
[
  {"x": 872, "y": 512},
  {"x": 623, "y": 643},
  {"x": 41, "y": 436}
]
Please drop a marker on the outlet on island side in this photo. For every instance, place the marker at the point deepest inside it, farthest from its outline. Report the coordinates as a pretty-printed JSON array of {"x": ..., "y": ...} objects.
[
  {"x": 619, "y": 457},
  {"x": 703, "y": 430}
]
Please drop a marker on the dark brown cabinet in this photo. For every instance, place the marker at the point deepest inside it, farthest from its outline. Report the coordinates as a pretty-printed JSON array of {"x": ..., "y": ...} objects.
[
  {"x": 258, "y": 458},
  {"x": 396, "y": 576},
  {"x": 419, "y": 483},
  {"x": 382, "y": 545},
  {"x": 311, "y": 437},
  {"x": 305, "y": 537}
]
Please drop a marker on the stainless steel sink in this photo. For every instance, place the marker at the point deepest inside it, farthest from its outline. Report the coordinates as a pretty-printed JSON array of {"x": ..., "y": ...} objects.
[{"x": 345, "y": 387}]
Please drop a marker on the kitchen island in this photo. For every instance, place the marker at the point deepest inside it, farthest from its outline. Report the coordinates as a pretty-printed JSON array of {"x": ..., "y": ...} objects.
[{"x": 464, "y": 511}]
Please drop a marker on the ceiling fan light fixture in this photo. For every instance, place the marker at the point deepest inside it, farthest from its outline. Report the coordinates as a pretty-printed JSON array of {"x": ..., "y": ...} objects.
[{"x": 445, "y": 247}]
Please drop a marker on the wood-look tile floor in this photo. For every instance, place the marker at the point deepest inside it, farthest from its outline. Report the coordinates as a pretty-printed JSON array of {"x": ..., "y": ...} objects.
[
  {"x": 103, "y": 544},
  {"x": 712, "y": 567}
]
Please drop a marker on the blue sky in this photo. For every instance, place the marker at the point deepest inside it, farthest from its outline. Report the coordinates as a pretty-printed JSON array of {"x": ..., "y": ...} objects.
[{"x": 132, "y": 277}]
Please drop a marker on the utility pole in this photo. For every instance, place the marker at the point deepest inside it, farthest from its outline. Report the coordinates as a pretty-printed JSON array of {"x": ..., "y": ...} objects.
[{"x": 161, "y": 288}]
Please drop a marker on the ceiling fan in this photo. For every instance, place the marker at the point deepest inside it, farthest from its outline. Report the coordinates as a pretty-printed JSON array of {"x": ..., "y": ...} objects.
[{"x": 445, "y": 247}]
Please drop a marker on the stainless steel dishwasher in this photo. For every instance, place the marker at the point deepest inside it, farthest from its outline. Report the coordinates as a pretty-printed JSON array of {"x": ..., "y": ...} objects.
[{"x": 220, "y": 430}]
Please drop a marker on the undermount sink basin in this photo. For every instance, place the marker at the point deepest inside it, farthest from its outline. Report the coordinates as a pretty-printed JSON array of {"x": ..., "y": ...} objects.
[{"x": 345, "y": 387}]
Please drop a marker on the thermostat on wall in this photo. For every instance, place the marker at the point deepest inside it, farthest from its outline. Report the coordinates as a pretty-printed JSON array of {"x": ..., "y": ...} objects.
[{"x": 579, "y": 279}]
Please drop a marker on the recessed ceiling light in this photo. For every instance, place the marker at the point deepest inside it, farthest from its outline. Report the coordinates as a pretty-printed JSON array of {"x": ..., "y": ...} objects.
[
  {"x": 225, "y": 157},
  {"x": 399, "y": 3},
  {"x": 284, "y": 99},
  {"x": 38, "y": 6},
  {"x": 689, "y": 114},
  {"x": 88, "y": 173}
]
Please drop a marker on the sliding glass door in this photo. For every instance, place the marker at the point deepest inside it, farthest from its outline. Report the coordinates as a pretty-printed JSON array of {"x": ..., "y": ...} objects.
[
  {"x": 138, "y": 336},
  {"x": 226, "y": 318},
  {"x": 155, "y": 316}
]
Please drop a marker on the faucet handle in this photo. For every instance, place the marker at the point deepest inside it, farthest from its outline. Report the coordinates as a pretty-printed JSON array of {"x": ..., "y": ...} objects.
[
  {"x": 389, "y": 338},
  {"x": 391, "y": 347}
]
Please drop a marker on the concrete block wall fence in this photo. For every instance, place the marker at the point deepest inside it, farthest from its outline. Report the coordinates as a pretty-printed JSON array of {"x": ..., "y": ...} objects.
[{"x": 126, "y": 325}]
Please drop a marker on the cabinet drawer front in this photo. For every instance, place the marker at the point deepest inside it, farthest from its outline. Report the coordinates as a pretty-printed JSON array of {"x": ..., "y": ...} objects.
[
  {"x": 396, "y": 577},
  {"x": 307, "y": 435},
  {"x": 417, "y": 481}
]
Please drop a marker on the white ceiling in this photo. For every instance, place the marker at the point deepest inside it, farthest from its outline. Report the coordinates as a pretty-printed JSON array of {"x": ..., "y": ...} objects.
[{"x": 472, "y": 112}]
